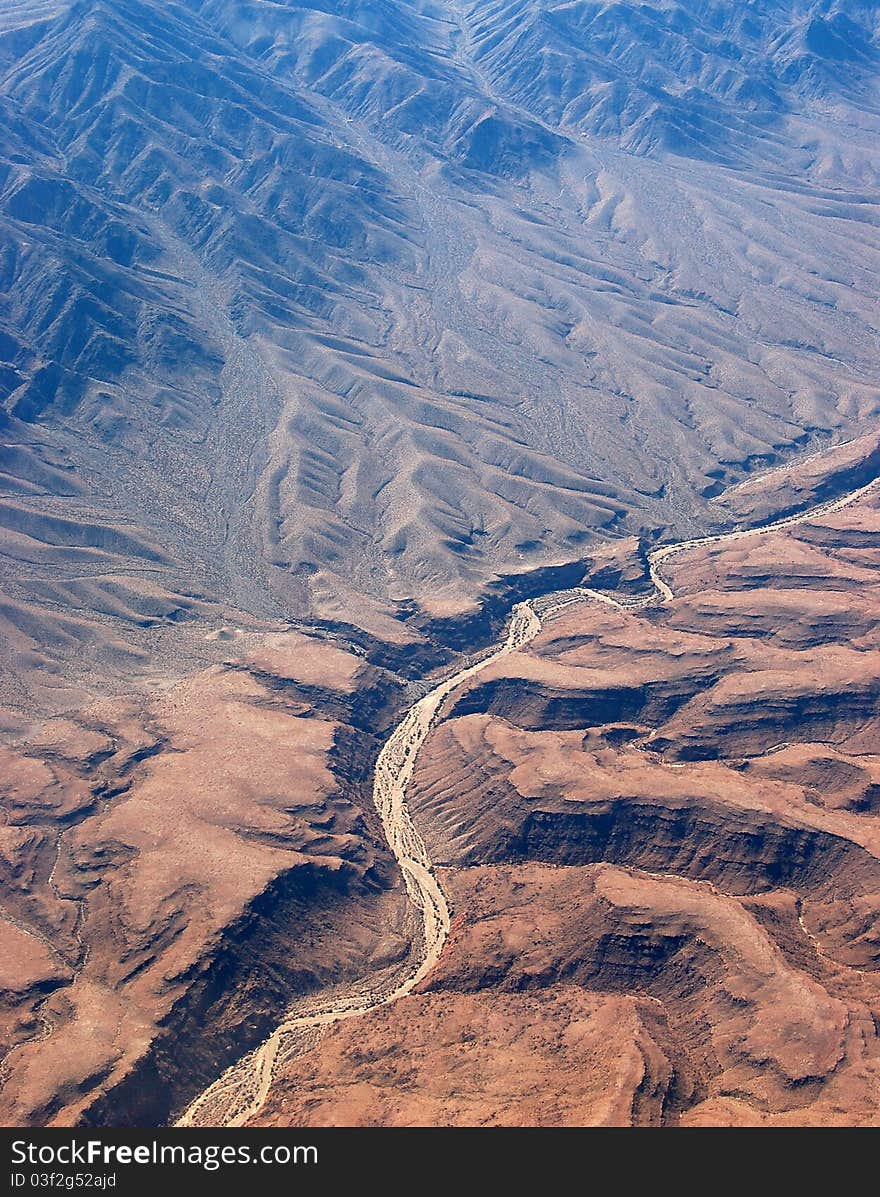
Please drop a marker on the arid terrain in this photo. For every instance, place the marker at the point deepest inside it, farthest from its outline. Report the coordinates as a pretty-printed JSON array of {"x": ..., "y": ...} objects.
[
  {"x": 659, "y": 831},
  {"x": 331, "y": 335}
]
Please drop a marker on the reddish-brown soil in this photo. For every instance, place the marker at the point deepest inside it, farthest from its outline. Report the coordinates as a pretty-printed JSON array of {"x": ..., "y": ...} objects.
[
  {"x": 660, "y": 839},
  {"x": 174, "y": 870}
]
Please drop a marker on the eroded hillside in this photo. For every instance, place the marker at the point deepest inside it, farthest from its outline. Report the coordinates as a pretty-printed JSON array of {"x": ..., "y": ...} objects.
[
  {"x": 325, "y": 309},
  {"x": 327, "y": 332},
  {"x": 659, "y": 834}
]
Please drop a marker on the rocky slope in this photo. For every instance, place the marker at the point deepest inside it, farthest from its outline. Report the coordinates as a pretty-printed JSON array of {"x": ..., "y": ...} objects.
[
  {"x": 176, "y": 871},
  {"x": 327, "y": 308},
  {"x": 327, "y": 330},
  {"x": 660, "y": 836}
]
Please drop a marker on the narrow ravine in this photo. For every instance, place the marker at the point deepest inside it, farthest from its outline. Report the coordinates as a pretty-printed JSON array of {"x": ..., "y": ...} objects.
[{"x": 242, "y": 1090}]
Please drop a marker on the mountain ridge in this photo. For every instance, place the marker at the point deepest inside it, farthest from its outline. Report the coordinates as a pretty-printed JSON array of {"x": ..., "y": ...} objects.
[{"x": 344, "y": 221}]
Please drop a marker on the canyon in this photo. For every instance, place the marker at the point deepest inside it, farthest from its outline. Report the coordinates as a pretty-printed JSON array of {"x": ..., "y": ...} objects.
[
  {"x": 331, "y": 334},
  {"x": 658, "y": 833}
]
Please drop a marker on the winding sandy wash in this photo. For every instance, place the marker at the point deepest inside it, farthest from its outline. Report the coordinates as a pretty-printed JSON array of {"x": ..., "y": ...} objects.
[
  {"x": 791, "y": 521},
  {"x": 242, "y": 1090}
]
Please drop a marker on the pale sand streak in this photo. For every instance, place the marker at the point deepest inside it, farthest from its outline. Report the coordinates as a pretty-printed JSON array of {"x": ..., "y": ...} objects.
[
  {"x": 394, "y": 769},
  {"x": 223, "y": 1103},
  {"x": 663, "y": 554}
]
